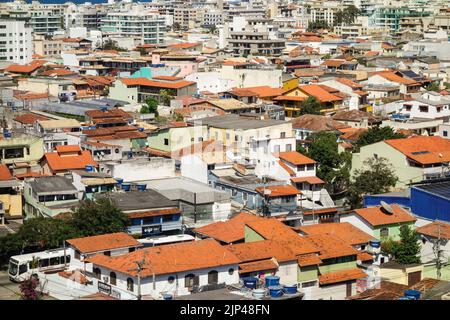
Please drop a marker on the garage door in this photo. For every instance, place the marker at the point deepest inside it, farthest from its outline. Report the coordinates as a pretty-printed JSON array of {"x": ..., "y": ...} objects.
[{"x": 414, "y": 277}]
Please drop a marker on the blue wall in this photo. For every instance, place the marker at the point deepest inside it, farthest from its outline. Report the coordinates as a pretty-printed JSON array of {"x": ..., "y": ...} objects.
[
  {"x": 429, "y": 206},
  {"x": 371, "y": 201}
]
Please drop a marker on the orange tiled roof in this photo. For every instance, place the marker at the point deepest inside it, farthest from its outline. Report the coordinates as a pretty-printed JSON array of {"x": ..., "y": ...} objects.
[
  {"x": 67, "y": 148},
  {"x": 185, "y": 45},
  {"x": 29, "y": 118},
  {"x": 343, "y": 230},
  {"x": 261, "y": 265},
  {"x": 286, "y": 167},
  {"x": 333, "y": 63},
  {"x": 26, "y": 68},
  {"x": 103, "y": 242},
  {"x": 393, "y": 77},
  {"x": 167, "y": 78},
  {"x": 57, "y": 72},
  {"x": 310, "y": 180},
  {"x": 170, "y": 259},
  {"x": 153, "y": 213},
  {"x": 228, "y": 231},
  {"x": 424, "y": 150},
  {"x": 158, "y": 84},
  {"x": 309, "y": 259},
  {"x": 110, "y": 113},
  {"x": 349, "y": 83},
  {"x": 364, "y": 256},
  {"x": 259, "y": 250},
  {"x": 289, "y": 98},
  {"x": 295, "y": 157},
  {"x": 330, "y": 246},
  {"x": 341, "y": 276},
  {"x": 278, "y": 191},
  {"x": 261, "y": 91},
  {"x": 352, "y": 135},
  {"x": 319, "y": 93},
  {"x": 436, "y": 229},
  {"x": 5, "y": 174},
  {"x": 58, "y": 162},
  {"x": 376, "y": 216}
]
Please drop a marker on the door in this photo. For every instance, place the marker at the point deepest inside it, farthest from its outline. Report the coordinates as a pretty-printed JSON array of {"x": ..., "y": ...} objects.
[
  {"x": 348, "y": 291},
  {"x": 414, "y": 277}
]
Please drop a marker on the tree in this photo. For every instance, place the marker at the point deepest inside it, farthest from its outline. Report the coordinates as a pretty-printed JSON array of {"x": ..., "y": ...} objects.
[
  {"x": 316, "y": 25},
  {"x": 99, "y": 217},
  {"x": 176, "y": 26},
  {"x": 375, "y": 176},
  {"x": 434, "y": 86},
  {"x": 408, "y": 249},
  {"x": 110, "y": 44},
  {"x": 166, "y": 96},
  {"x": 377, "y": 134},
  {"x": 333, "y": 167},
  {"x": 310, "y": 106},
  {"x": 151, "y": 106},
  {"x": 326, "y": 57},
  {"x": 346, "y": 16}
]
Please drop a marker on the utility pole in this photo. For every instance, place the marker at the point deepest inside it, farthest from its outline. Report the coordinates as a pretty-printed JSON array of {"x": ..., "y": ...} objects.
[
  {"x": 195, "y": 207},
  {"x": 437, "y": 252}
]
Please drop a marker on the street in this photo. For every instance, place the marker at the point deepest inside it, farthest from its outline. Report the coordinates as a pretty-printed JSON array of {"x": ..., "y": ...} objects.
[{"x": 8, "y": 290}]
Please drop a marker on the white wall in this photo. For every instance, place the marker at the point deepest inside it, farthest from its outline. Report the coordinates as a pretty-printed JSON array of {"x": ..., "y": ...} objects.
[
  {"x": 194, "y": 168},
  {"x": 356, "y": 222},
  {"x": 132, "y": 171}
]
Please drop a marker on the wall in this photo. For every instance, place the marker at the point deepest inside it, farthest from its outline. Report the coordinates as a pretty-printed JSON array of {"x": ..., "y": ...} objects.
[
  {"x": 139, "y": 171},
  {"x": 12, "y": 204},
  {"x": 251, "y": 235},
  {"x": 429, "y": 206},
  {"x": 35, "y": 146},
  {"x": 195, "y": 168},
  {"x": 121, "y": 92}
]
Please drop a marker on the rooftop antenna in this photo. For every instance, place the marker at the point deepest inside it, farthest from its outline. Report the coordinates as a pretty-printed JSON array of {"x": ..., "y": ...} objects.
[{"x": 387, "y": 207}]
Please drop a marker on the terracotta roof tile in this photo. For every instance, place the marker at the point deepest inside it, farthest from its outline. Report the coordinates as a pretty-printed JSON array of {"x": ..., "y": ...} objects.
[
  {"x": 436, "y": 229},
  {"x": 309, "y": 259},
  {"x": 341, "y": 276},
  {"x": 424, "y": 150},
  {"x": 261, "y": 265},
  {"x": 317, "y": 123},
  {"x": 295, "y": 158},
  {"x": 59, "y": 162},
  {"x": 319, "y": 93},
  {"x": 376, "y": 216},
  {"x": 157, "y": 84},
  {"x": 393, "y": 77},
  {"x": 154, "y": 213},
  {"x": 259, "y": 250},
  {"x": 5, "y": 174},
  {"x": 169, "y": 259},
  {"x": 228, "y": 231},
  {"x": 345, "y": 231},
  {"x": 29, "y": 118},
  {"x": 287, "y": 168},
  {"x": 310, "y": 180},
  {"x": 278, "y": 191},
  {"x": 103, "y": 242}
]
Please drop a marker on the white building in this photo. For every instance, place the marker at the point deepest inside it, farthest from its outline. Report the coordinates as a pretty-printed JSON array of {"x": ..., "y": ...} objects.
[
  {"x": 211, "y": 81},
  {"x": 429, "y": 105},
  {"x": 16, "y": 43},
  {"x": 147, "y": 26}
]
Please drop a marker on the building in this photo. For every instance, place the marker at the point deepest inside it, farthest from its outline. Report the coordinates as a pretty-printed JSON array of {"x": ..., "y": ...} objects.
[
  {"x": 198, "y": 264},
  {"x": 49, "y": 196},
  {"x": 148, "y": 27},
  {"x": 379, "y": 222},
  {"x": 16, "y": 42},
  {"x": 66, "y": 158},
  {"x": 21, "y": 149},
  {"x": 413, "y": 159}
]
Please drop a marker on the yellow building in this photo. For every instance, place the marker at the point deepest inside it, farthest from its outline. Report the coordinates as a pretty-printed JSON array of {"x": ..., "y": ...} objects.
[{"x": 12, "y": 205}]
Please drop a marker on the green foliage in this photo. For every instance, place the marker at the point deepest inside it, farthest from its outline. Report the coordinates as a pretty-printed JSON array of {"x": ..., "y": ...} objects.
[
  {"x": 434, "y": 86},
  {"x": 408, "y": 249},
  {"x": 151, "y": 106},
  {"x": 166, "y": 96},
  {"x": 90, "y": 218},
  {"x": 389, "y": 246},
  {"x": 310, "y": 106},
  {"x": 316, "y": 25},
  {"x": 375, "y": 176},
  {"x": 326, "y": 57},
  {"x": 99, "y": 217},
  {"x": 376, "y": 134},
  {"x": 346, "y": 16},
  {"x": 110, "y": 44},
  {"x": 333, "y": 167}
]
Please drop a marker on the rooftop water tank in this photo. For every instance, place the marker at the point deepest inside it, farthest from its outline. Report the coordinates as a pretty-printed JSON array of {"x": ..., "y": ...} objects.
[
  {"x": 167, "y": 296},
  {"x": 89, "y": 168},
  {"x": 258, "y": 293},
  {"x": 276, "y": 291},
  {"x": 272, "y": 281},
  {"x": 414, "y": 294},
  {"x": 141, "y": 186},
  {"x": 290, "y": 288},
  {"x": 104, "y": 109},
  {"x": 141, "y": 129},
  {"x": 119, "y": 180},
  {"x": 250, "y": 282},
  {"x": 126, "y": 186}
]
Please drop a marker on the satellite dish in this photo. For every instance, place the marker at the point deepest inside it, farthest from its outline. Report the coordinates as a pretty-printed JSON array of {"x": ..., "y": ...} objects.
[{"x": 387, "y": 207}]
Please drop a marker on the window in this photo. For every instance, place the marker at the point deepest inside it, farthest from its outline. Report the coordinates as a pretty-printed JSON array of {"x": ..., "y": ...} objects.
[
  {"x": 13, "y": 153},
  {"x": 43, "y": 263},
  {"x": 445, "y": 133},
  {"x": 112, "y": 278},
  {"x": 245, "y": 196},
  {"x": 288, "y": 147},
  {"x": 190, "y": 281},
  {"x": 283, "y": 135},
  {"x": 277, "y": 149},
  {"x": 130, "y": 284},
  {"x": 166, "y": 142},
  {"x": 171, "y": 279},
  {"x": 54, "y": 261},
  {"x": 423, "y": 108},
  {"x": 107, "y": 253},
  {"x": 213, "y": 277},
  {"x": 97, "y": 273},
  {"x": 309, "y": 284},
  {"x": 23, "y": 268},
  {"x": 231, "y": 271},
  {"x": 384, "y": 232}
]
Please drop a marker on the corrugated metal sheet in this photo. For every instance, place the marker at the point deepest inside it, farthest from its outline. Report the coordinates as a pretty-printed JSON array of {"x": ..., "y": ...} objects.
[{"x": 429, "y": 205}]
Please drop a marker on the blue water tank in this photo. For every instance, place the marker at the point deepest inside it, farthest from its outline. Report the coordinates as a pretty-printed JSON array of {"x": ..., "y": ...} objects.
[
  {"x": 414, "y": 294},
  {"x": 104, "y": 109},
  {"x": 290, "y": 289},
  {"x": 250, "y": 282},
  {"x": 126, "y": 186},
  {"x": 272, "y": 281},
  {"x": 141, "y": 129},
  {"x": 7, "y": 134},
  {"x": 167, "y": 296},
  {"x": 276, "y": 291},
  {"x": 119, "y": 180},
  {"x": 89, "y": 168},
  {"x": 141, "y": 186},
  {"x": 374, "y": 243}
]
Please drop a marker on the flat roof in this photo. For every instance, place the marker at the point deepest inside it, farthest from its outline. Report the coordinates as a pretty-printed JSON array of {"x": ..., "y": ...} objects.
[
  {"x": 232, "y": 121},
  {"x": 52, "y": 184},
  {"x": 138, "y": 200},
  {"x": 441, "y": 189}
]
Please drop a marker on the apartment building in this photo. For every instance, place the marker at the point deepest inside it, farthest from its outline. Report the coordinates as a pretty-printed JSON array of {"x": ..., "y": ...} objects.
[
  {"x": 187, "y": 18},
  {"x": 47, "y": 46},
  {"x": 15, "y": 41},
  {"x": 146, "y": 26}
]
